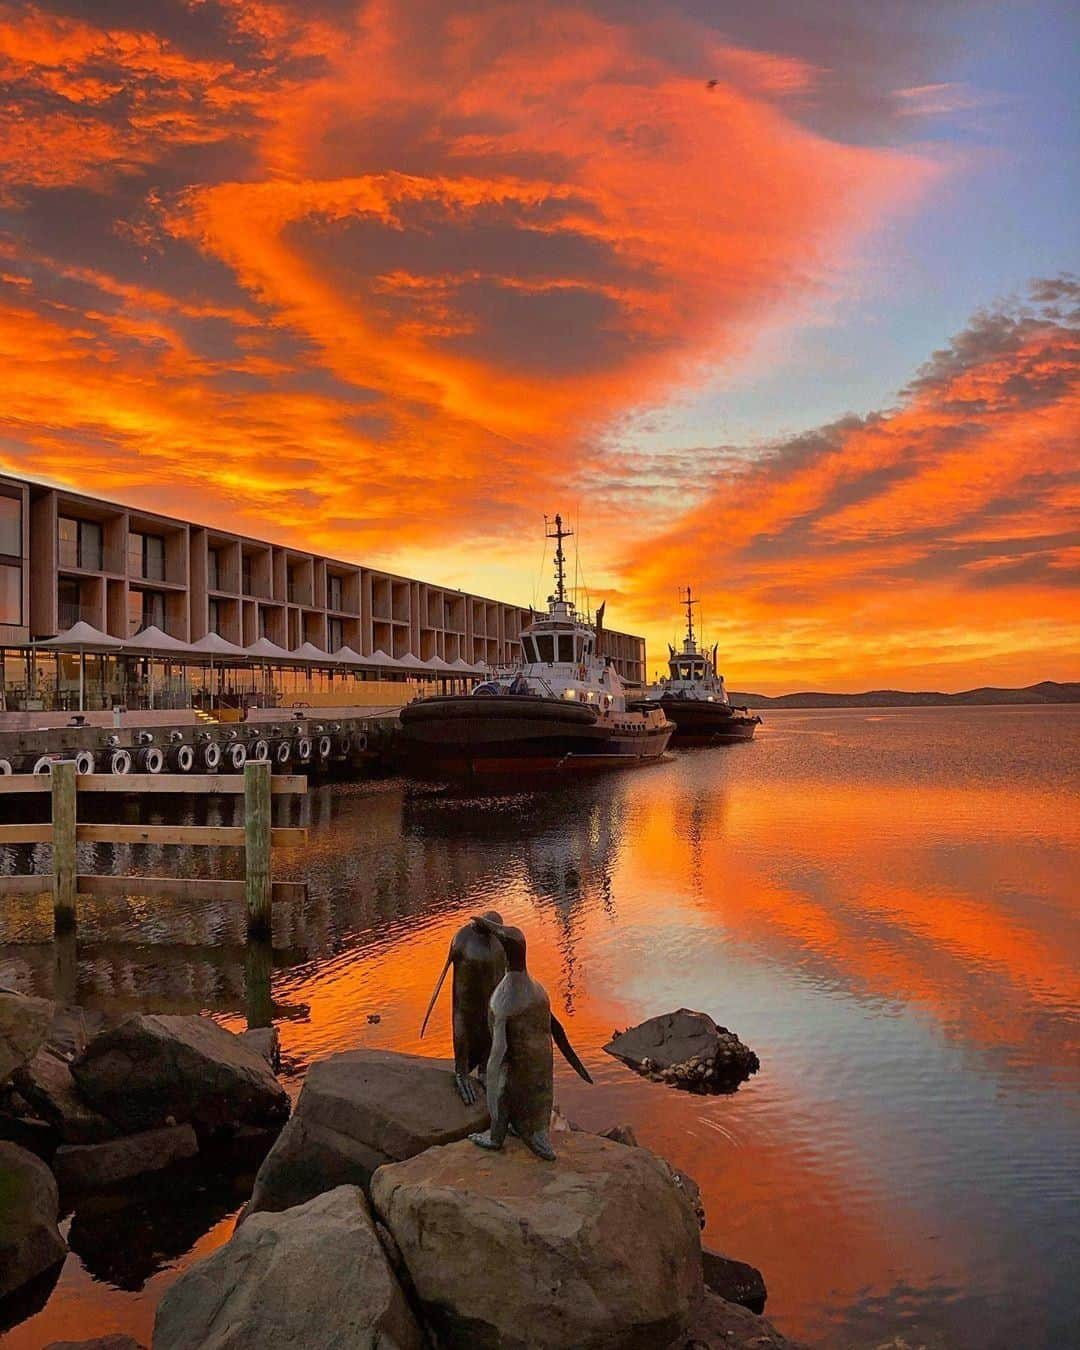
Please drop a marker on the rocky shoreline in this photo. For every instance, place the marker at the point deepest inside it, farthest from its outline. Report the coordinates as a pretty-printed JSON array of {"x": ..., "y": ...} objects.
[{"x": 373, "y": 1221}]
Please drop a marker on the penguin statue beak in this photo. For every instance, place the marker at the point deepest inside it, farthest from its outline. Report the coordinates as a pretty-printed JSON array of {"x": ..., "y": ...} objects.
[{"x": 487, "y": 924}]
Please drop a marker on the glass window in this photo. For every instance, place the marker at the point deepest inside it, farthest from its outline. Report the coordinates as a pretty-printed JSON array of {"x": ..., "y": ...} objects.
[
  {"x": 545, "y": 646},
  {"x": 154, "y": 557},
  {"x": 566, "y": 648},
  {"x": 333, "y": 593},
  {"x": 215, "y": 617},
  {"x": 11, "y": 526},
  {"x": 335, "y": 634},
  {"x": 262, "y": 622},
  {"x": 10, "y": 594},
  {"x": 134, "y": 612},
  {"x": 213, "y": 570},
  {"x": 80, "y": 543},
  {"x": 245, "y": 574},
  {"x": 153, "y": 609}
]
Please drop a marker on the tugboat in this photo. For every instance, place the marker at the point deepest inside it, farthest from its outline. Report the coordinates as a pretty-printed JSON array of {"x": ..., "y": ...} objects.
[
  {"x": 693, "y": 696},
  {"x": 561, "y": 711}
]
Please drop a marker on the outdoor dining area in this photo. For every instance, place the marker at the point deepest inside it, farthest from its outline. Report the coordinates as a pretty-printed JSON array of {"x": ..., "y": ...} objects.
[{"x": 86, "y": 670}]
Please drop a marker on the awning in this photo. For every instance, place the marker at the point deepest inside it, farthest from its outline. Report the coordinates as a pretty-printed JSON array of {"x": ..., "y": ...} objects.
[
  {"x": 84, "y": 637},
  {"x": 348, "y": 657},
  {"x": 213, "y": 644},
  {"x": 153, "y": 639},
  {"x": 265, "y": 650},
  {"x": 307, "y": 651},
  {"x": 380, "y": 658}
]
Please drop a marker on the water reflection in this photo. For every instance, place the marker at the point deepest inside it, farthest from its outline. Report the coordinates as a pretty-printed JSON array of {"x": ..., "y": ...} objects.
[{"x": 879, "y": 905}]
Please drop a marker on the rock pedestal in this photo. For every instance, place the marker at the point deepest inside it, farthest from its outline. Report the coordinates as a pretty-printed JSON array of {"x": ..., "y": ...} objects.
[
  {"x": 686, "y": 1049},
  {"x": 508, "y": 1252},
  {"x": 149, "y": 1068},
  {"x": 314, "y": 1276},
  {"x": 357, "y": 1111},
  {"x": 30, "y": 1242},
  {"x": 719, "y": 1325},
  {"x": 92, "y": 1166}
]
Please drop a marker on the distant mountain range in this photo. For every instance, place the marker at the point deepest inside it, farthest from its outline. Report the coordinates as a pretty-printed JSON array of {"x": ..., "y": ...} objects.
[{"x": 1047, "y": 692}]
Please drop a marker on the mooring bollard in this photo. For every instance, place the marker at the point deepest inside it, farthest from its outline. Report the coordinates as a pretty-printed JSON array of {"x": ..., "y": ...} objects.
[
  {"x": 65, "y": 879},
  {"x": 257, "y": 882}
]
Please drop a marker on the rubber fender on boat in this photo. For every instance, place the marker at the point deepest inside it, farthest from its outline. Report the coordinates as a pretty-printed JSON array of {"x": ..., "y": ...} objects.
[
  {"x": 84, "y": 761},
  {"x": 6, "y": 769},
  {"x": 210, "y": 755},
  {"x": 282, "y": 752},
  {"x": 359, "y": 741},
  {"x": 43, "y": 764},
  {"x": 303, "y": 747},
  {"x": 511, "y": 707},
  {"x": 324, "y": 747},
  {"x": 236, "y": 755},
  {"x": 260, "y": 750},
  {"x": 150, "y": 759}
]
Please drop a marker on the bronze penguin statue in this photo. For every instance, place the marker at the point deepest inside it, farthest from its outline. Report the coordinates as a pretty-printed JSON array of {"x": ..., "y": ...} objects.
[
  {"x": 479, "y": 964},
  {"x": 519, "y": 1085}
]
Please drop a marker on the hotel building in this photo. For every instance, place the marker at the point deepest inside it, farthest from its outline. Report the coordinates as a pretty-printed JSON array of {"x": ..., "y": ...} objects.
[{"x": 116, "y": 606}]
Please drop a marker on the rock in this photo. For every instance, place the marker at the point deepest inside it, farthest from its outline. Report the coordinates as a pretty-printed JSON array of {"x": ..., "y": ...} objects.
[
  {"x": 30, "y": 1242},
  {"x": 621, "y": 1134},
  {"x": 19, "y": 1125},
  {"x": 357, "y": 1111},
  {"x": 691, "y": 1190},
  {"x": 719, "y": 1325},
  {"x": 114, "y": 1342},
  {"x": 150, "y": 1067},
  {"x": 47, "y": 1085},
  {"x": 81, "y": 1167},
  {"x": 264, "y": 1041},
  {"x": 314, "y": 1276},
  {"x": 504, "y": 1250},
  {"x": 734, "y": 1281},
  {"x": 24, "y": 1024},
  {"x": 686, "y": 1049}
]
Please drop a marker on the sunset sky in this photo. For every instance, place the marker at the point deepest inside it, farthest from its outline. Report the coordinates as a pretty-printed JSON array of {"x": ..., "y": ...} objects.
[{"x": 777, "y": 300}]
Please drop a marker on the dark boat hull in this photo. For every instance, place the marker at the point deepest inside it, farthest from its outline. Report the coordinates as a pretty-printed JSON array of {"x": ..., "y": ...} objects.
[
  {"x": 698, "y": 722},
  {"x": 474, "y": 738}
]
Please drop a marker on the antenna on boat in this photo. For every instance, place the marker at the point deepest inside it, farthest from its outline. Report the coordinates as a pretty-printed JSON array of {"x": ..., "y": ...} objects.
[
  {"x": 689, "y": 602},
  {"x": 558, "y": 534}
]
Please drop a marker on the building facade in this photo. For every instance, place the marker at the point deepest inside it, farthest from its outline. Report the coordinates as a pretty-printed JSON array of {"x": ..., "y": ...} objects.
[{"x": 69, "y": 559}]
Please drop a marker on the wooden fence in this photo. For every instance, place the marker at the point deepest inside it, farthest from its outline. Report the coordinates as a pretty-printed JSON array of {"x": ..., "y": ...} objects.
[{"x": 256, "y": 837}]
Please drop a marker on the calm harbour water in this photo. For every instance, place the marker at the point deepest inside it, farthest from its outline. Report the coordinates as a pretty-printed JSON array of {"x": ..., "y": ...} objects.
[{"x": 883, "y": 904}]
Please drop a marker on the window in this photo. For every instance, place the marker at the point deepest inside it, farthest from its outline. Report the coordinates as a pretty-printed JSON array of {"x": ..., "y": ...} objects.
[
  {"x": 213, "y": 571},
  {"x": 245, "y": 575},
  {"x": 11, "y": 526},
  {"x": 10, "y": 594},
  {"x": 153, "y": 609},
  {"x": 566, "y": 648},
  {"x": 134, "y": 612},
  {"x": 335, "y": 634},
  {"x": 214, "y": 617},
  {"x": 262, "y": 622},
  {"x": 545, "y": 646},
  {"x": 333, "y": 593},
  {"x": 80, "y": 543},
  {"x": 146, "y": 556}
]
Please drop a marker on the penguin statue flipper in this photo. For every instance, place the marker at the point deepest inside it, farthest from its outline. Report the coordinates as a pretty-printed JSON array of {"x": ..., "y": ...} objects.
[
  {"x": 438, "y": 987},
  {"x": 559, "y": 1036}
]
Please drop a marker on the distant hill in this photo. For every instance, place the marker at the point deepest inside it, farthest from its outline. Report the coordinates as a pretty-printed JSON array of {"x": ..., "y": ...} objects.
[{"x": 1047, "y": 692}]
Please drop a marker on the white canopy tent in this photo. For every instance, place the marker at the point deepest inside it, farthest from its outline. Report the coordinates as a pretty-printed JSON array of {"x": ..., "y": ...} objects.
[
  {"x": 155, "y": 640},
  {"x": 265, "y": 650},
  {"x": 307, "y": 651},
  {"x": 82, "y": 637}
]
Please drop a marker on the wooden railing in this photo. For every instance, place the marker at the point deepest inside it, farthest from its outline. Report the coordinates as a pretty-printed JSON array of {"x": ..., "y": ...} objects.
[{"x": 256, "y": 837}]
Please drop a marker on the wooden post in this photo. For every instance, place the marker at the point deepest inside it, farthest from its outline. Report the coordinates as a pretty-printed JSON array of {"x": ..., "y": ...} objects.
[
  {"x": 258, "y": 967},
  {"x": 258, "y": 887},
  {"x": 65, "y": 880}
]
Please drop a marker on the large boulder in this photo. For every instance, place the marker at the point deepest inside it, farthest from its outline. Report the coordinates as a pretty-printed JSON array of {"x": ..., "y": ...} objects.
[
  {"x": 24, "y": 1024},
  {"x": 151, "y": 1067},
  {"x": 357, "y": 1111},
  {"x": 81, "y": 1167},
  {"x": 30, "y": 1242},
  {"x": 314, "y": 1276},
  {"x": 719, "y": 1325},
  {"x": 47, "y": 1085},
  {"x": 686, "y": 1049},
  {"x": 506, "y": 1252},
  {"x": 116, "y": 1341}
]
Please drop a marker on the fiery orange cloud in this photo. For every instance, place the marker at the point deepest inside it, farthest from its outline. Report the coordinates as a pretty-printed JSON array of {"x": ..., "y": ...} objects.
[
  {"x": 935, "y": 538},
  {"x": 387, "y": 274}
]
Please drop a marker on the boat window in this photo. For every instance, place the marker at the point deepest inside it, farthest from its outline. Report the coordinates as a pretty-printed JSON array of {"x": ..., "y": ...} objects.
[
  {"x": 545, "y": 646},
  {"x": 578, "y": 644},
  {"x": 566, "y": 648}
]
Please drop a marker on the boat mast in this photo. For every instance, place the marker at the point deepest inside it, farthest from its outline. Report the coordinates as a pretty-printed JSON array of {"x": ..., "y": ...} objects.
[
  {"x": 559, "y": 534},
  {"x": 689, "y": 603}
]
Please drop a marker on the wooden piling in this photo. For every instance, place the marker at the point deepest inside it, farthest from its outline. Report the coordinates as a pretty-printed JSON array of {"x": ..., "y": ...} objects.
[
  {"x": 64, "y": 829},
  {"x": 257, "y": 832}
]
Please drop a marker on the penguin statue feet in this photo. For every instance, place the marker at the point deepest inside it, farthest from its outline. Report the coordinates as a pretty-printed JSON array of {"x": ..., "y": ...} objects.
[
  {"x": 484, "y": 1140},
  {"x": 465, "y": 1087},
  {"x": 541, "y": 1146}
]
